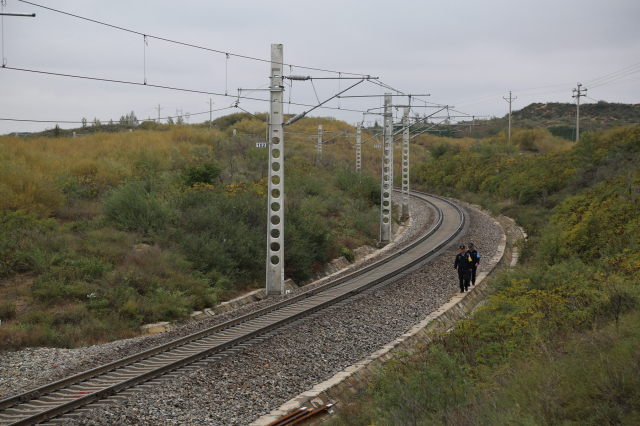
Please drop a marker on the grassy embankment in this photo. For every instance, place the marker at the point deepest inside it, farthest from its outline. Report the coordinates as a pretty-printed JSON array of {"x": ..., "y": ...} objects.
[
  {"x": 103, "y": 233},
  {"x": 558, "y": 342}
]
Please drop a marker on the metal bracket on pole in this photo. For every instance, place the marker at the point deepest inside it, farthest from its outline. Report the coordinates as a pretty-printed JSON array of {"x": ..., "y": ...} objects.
[
  {"x": 387, "y": 173},
  {"x": 405, "y": 166},
  {"x": 358, "y": 147},
  {"x": 320, "y": 142},
  {"x": 275, "y": 224}
]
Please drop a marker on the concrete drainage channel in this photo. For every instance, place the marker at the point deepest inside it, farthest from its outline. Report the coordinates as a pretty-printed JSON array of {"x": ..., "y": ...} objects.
[{"x": 118, "y": 379}]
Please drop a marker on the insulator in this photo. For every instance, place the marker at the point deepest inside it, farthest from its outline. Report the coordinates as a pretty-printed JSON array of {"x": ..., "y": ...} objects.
[
  {"x": 298, "y": 77},
  {"x": 296, "y": 118}
]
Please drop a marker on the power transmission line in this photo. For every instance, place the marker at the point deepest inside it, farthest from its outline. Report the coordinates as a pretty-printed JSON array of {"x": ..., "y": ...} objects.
[{"x": 598, "y": 82}]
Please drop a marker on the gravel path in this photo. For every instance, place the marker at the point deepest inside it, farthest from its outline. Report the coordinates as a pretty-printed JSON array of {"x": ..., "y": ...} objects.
[
  {"x": 29, "y": 368},
  {"x": 236, "y": 390}
]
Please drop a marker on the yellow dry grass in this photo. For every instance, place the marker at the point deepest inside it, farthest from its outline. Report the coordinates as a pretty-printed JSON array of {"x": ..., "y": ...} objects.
[{"x": 31, "y": 168}]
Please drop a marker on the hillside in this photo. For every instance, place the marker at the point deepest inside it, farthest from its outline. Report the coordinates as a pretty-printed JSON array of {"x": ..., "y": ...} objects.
[
  {"x": 567, "y": 316},
  {"x": 560, "y": 118}
]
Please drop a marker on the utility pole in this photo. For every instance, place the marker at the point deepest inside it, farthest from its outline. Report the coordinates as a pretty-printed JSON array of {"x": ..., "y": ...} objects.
[
  {"x": 577, "y": 93},
  {"x": 210, "y": 111},
  {"x": 158, "y": 108},
  {"x": 510, "y": 100},
  {"x": 275, "y": 224},
  {"x": 405, "y": 166},
  {"x": 358, "y": 147},
  {"x": 320, "y": 142},
  {"x": 387, "y": 173}
]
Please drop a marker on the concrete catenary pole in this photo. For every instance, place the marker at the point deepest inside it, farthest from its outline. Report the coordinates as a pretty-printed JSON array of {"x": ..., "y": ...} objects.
[
  {"x": 320, "y": 142},
  {"x": 275, "y": 232},
  {"x": 387, "y": 173},
  {"x": 510, "y": 100},
  {"x": 577, "y": 93},
  {"x": 358, "y": 147},
  {"x": 405, "y": 165}
]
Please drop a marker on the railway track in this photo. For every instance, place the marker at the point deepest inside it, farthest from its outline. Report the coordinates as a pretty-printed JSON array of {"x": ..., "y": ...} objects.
[{"x": 47, "y": 403}]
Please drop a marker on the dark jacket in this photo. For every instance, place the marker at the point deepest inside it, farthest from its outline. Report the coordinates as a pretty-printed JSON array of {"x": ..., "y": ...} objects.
[
  {"x": 475, "y": 256},
  {"x": 463, "y": 262}
]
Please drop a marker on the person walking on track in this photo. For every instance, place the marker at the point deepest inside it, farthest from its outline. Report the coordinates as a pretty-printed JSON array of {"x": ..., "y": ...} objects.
[
  {"x": 475, "y": 261},
  {"x": 463, "y": 266}
]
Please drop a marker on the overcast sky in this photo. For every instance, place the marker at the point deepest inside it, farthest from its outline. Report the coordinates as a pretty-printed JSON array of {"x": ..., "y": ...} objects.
[{"x": 464, "y": 53}]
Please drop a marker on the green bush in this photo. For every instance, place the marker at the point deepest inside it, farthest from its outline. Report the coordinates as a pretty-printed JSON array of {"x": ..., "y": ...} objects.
[
  {"x": 206, "y": 173},
  {"x": 306, "y": 242},
  {"x": 7, "y": 311},
  {"x": 565, "y": 132},
  {"x": 69, "y": 281},
  {"x": 440, "y": 149},
  {"x": 20, "y": 234},
  {"x": 423, "y": 392},
  {"x": 134, "y": 207},
  {"x": 358, "y": 185},
  {"x": 226, "y": 233}
]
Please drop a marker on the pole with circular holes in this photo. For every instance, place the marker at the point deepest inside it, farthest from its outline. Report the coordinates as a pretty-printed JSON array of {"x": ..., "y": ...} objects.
[
  {"x": 275, "y": 233},
  {"x": 358, "y": 148},
  {"x": 387, "y": 173},
  {"x": 405, "y": 165}
]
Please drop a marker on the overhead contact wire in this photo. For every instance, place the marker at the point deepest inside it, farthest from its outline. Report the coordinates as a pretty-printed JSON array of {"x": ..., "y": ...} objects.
[
  {"x": 179, "y": 42},
  {"x": 133, "y": 83}
]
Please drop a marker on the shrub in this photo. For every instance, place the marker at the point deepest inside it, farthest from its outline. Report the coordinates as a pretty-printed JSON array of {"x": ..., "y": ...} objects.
[
  {"x": 19, "y": 234},
  {"x": 132, "y": 206},
  {"x": 206, "y": 173},
  {"x": 7, "y": 311},
  {"x": 358, "y": 185},
  {"x": 439, "y": 150},
  {"x": 69, "y": 281}
]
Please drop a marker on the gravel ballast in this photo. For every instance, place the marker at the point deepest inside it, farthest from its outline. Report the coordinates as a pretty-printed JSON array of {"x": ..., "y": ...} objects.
[
  {"x": 29, "y": 368},
  {"x": 237, "y": 389}
]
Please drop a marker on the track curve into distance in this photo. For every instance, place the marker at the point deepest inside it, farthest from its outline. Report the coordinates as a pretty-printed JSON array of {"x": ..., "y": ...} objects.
[{"x": 47, "y": 402}]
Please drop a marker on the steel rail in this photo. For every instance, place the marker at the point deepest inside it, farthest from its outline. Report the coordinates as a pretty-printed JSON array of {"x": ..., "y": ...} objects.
[{"x": 89, "y": 397}]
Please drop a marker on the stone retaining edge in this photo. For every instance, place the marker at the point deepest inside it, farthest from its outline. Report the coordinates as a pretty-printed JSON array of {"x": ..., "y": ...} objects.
[{"x": 356, "y": 378}]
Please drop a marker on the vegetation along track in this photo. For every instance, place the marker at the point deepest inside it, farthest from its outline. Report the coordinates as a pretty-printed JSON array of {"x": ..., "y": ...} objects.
[{"x": 46, "y": 402}]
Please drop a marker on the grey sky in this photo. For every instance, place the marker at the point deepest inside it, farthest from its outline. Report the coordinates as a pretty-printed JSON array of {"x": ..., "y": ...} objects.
[{"x": 458, "y": 51}]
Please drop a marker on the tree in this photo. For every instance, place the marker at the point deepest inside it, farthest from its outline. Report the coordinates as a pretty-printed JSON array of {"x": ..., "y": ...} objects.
[
  {"x": 123, "y": 120},
  {"x": 132, "y": 119},
  {"x": 170, "y": 120},
  {"x": 56, "y": 131},
  {"x": 96, "y": 122},
  {"x": 84, "y": 122},
  {"x": 180, "y": 120},
  {"x": 111, "y": 122}
]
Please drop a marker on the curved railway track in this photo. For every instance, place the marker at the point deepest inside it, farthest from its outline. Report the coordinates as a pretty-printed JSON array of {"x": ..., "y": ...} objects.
[{"x": 47, "y": 402}]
